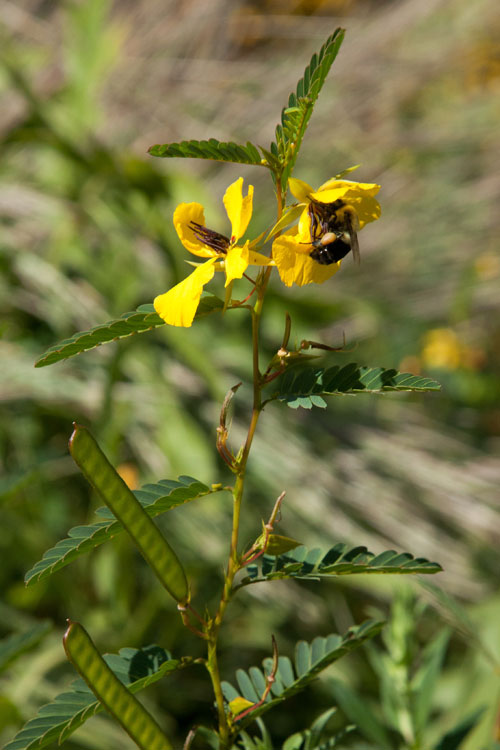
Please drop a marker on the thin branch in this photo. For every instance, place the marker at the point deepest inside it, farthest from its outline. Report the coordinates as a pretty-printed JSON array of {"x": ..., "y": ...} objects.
[
  {"x": 268, "y": 530},
  {"x": 270, "y": 678}
]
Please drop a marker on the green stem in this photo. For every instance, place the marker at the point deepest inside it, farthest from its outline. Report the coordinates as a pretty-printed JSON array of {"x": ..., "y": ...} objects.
[
  {"x": 234, "y": 562},
  {"x": 213, "y": 670}
]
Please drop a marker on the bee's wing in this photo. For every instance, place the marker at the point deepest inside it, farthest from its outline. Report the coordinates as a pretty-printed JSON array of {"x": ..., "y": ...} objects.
[
  {"x": 351, "y": 223},
  {"x": 355, "y": 247}
]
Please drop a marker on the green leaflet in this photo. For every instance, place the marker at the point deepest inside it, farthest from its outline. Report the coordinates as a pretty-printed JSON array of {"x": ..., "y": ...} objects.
[
  {"x": 128, "y": 510},
  {"x": 154, "y": 498},
  {"x": 211, "y": 149},
  {"x": 305, "y": 387},
  {"x": 143, "y": 319},
  {"x": 339, "y": 560},
  {"x": 310, "y": 660},
  {"x": 111, "y": 692},
  {"x": 56, "y": 721}
]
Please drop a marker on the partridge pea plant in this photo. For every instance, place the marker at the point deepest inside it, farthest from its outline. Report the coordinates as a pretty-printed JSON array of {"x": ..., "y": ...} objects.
[{"x": 314, "y": 229}]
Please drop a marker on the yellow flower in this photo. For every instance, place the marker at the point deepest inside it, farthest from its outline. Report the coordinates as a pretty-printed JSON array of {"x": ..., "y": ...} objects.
[
  {"x": 178, "y": 306},
  {"x": 442, "y": 349},
  {"x": 292, "y": 250}
]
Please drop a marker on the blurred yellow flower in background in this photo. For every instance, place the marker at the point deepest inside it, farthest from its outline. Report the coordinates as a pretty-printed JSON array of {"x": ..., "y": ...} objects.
[
  {"x": 487, "y": 266},
  {"x": 130, "y": 475},
  {"x": 441, "y": 349}
]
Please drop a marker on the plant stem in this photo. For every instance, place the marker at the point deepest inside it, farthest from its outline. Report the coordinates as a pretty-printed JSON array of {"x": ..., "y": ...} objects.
[
  {"x": 213, "y": 670},
  {"x": 234, "y": 562}
]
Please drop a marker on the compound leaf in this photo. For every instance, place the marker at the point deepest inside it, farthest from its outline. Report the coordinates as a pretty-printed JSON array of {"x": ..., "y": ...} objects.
[
  {"x": 339, "y": 560},
  {"x": 310, "y": 660},
  {"x": 143, "y": 319},
  {"x": 295, "y": 117},
  {"x": 211, "y": 149},
  {"x": 307, "y": 386},
  {"x": 154, "y": 498},
  {"x": 135, "y": 668}
]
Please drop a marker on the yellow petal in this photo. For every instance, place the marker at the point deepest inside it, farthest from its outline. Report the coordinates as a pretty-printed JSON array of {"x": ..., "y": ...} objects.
[
  {"x": 358, "y": 194},
  {"x": 294, "y": 264},
  {"x": 330, "y": 194},
  {"x": 239, "y": 208},
  {"x": 184, "y": 214},
  {"x": 300, "y": 189},
  {"x": 239, "y": 258},
  {"x": 236, "y": 263},
  {"x": 178, "y": 306},
  {"x": 369, "y": 188},
  {"x": 367, "y": 208},
  {"x": 304, "y": 227}
]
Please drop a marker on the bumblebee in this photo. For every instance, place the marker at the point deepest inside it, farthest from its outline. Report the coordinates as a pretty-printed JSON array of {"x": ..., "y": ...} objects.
[{"x": 333, "y": 231}]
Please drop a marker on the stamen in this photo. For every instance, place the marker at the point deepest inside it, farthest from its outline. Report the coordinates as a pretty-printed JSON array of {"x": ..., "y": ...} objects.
[{"x": 214, "y": 240}]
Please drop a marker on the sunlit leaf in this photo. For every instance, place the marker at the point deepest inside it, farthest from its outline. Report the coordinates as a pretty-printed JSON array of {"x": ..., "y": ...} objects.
[
  {"x": 143, "y": 319},
  {"x": 211, "y": 149}
]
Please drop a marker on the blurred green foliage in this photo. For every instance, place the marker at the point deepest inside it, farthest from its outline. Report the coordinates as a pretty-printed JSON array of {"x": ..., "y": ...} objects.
[{"x": 87, "y": 235}]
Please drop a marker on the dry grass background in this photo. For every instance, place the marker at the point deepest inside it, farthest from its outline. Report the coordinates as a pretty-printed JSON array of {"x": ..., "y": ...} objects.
[{"x": 414, "y": 98}]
